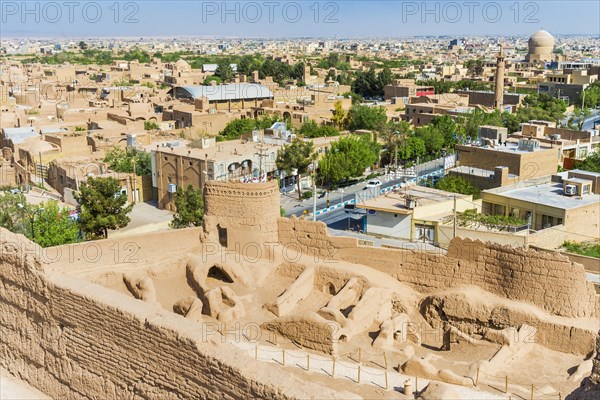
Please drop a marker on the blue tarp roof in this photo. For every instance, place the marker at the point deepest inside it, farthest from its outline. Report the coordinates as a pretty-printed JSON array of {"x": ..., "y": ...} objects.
[{"x": 19, "y": 135}]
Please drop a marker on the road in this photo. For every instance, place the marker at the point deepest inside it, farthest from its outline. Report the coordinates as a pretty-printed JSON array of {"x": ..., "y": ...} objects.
[
  {"x": 589, "y": 123},
  {"x": 293, "y": 206}
]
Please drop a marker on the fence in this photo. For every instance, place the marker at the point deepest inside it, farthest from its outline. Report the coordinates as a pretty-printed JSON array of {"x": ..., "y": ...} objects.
[
  {"x": 344, "y": 366},
  {"x": 513, "y": 388},
  {"x": 353, "y": 366}
]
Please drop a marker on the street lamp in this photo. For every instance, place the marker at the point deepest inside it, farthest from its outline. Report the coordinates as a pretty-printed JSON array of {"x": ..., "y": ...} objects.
[{"x": 31, "y": 216}]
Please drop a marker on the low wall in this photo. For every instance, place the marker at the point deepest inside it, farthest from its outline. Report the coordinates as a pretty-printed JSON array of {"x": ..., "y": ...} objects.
[
  {"x": 72, "y": 339},
  {"x": 549, "y": 281},
  {"x": 446, "y": 234}
]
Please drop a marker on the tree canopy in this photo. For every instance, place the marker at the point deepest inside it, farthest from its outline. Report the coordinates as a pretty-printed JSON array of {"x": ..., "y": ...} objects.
[
  {"x": 103, "y": 206},
  {"x": 53, "y": 225},
  {"x": 366, "y": 117},
  {"x": 458, "y": 184},
  {"x": 348, "y": 157},
  {"x": 189, "y": 204},
  {"x": 310, "y": 129},
  {"x": 224, "y": 72},
  {"x": 590, "y": 163},
  {"x": 370, "y": 84},
  {"x": 296, "y": 157},
  {"x": 125, "y": 160},
  {"x": 47, "y": 224}
]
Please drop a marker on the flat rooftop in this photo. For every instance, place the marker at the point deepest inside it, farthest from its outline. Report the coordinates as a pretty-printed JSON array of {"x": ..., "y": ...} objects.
[
  {"x": 464, "y": 169},
  {"x": 548, "y": 194},
  {"x": 509, "y": 147},
  {"x": 396, "y": 201}
]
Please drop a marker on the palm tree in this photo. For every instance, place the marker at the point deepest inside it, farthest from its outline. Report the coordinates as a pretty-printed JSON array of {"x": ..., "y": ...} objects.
[{"x": 393, "y": 136}]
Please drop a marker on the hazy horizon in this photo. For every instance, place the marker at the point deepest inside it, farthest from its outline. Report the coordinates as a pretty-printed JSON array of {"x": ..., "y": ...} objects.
[{"x": 295, "y": 19}]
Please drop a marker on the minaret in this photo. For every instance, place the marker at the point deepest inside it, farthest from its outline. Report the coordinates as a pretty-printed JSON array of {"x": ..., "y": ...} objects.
[{"x": 499, "y": 92}]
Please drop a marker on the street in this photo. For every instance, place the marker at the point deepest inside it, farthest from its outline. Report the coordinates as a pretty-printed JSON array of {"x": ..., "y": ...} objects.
[{"x": 293, "y": 206}]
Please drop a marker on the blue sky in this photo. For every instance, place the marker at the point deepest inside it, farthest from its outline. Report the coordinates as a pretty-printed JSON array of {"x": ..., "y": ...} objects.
[{"x": 279, "y": 18}]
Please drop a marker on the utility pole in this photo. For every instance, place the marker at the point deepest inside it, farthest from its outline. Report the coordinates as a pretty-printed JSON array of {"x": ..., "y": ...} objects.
[
  {"x": 454, "y": 217},
  {"x": 396, "y": 156},
  {"x": 417, "y": 172},
  {"x": 314, "y": 192},
  {"x": 134, "y": 183},
  {"x": 262, "y": 153}
]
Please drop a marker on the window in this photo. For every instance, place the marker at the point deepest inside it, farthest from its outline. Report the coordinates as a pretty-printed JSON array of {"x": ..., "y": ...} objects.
[{"x": 222, "y": 235}]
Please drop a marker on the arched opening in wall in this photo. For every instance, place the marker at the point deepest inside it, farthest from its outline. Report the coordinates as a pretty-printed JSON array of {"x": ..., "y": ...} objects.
[
  {"x": 217, "y": 272},
  {"x": 343, "y": 338},
  {"x": 222, "y": 235},
  {"x": 329, "y": 288}
]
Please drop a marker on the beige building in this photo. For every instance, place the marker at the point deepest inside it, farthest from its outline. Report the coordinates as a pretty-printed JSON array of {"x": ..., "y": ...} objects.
[
  {"x": 549, "y": 207},
  {"x": 176, "y": 164},
  {"x": 490, "y": 164},
  {"x": 422, "y": 110},
  {"x": 413, "y": 213}
]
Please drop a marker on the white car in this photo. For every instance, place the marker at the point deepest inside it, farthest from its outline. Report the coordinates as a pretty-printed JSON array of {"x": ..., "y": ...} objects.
[{"x": 373, "y": 183}]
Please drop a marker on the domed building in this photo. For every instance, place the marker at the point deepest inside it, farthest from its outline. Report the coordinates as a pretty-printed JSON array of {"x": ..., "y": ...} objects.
[{"x": 541, "y": 46}]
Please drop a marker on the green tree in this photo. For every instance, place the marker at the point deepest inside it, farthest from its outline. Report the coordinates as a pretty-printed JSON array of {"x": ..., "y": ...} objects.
[
  {"x": 413, "y": 147},
  {"x": 370, "y": 83},
  {"x": 365, "y": 117},
  {"x": 440, "y": 86},
  {"x": 356, "y": 98},
  {"x": 393, "y": 136},
  {"x": 447, "y": 127},
  {"x": 311, "y": 129},
  {"x": 189, "y": 204},
  {"x": 590, "y": 163},
  {"x": 432, "y": 137},
  {"x": 297, "y": 156},
  {"x": 578, "y": 118},
  {"x": 150, "y": 125},
  {"x": 458, "y": 184},
  {"x": 83, "y": 45},
  {"x": 474, "y": 67},
  {"x": 340, "y": 116},
  {"x": 236, "y": 128},
  {"x": 129, "y": 161},
  {"x": 103, "y": 206},
  {"x": 53, "y": 225},
  {"x": 591, "y": 97},
  {"x": 224, "y": 71},
  {"x": 209, "y": 79},
  {"x": 10, "y": 214},
  {"x": 348, "y": 157}
]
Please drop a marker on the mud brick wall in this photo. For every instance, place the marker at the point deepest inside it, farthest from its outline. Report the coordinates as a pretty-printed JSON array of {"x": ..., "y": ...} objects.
[
  {"x": 72, "y": 339},
  {"x": 248, "y": 211},
  {"x": 549, "y": 281}
]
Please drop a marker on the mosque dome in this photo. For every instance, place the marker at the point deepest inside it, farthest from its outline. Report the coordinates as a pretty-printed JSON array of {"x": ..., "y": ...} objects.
[{"x": 540, "y": 40}]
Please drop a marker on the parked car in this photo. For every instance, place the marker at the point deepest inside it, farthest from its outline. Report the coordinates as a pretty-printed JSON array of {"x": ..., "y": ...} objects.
[{"x": 373, "y": 183}]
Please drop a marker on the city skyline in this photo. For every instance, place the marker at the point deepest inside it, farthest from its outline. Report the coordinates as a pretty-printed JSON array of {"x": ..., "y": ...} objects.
[{"x": 288, "y": 19}]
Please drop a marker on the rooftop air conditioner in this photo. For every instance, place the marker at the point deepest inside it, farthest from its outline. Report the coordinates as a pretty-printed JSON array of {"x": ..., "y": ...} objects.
[{"x": 570, "y": 190}]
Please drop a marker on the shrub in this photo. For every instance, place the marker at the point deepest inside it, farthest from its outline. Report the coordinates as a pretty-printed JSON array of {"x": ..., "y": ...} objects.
[{"x": 307, "y": 195}]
